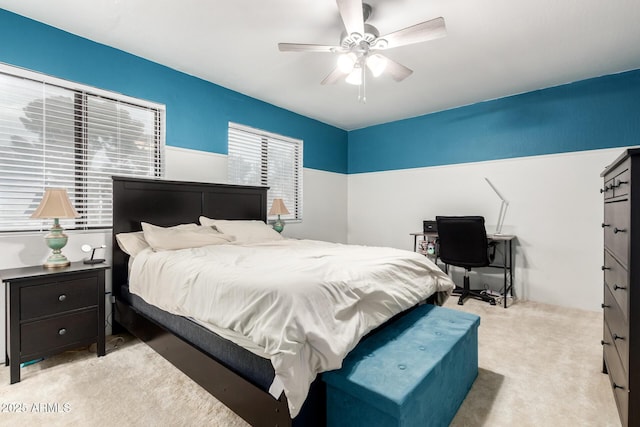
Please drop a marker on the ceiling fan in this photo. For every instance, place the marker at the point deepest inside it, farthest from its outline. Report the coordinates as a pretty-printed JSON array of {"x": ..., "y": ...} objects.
[{"x": 361, "y": 44}]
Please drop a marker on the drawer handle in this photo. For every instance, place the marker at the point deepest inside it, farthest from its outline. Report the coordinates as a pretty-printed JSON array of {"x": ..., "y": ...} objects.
[
  {"x": 603, "y": 305},
  {"x": 619, "y": 183},
  {"x": 62, "y": 297},
  {"x": 604, "y": 267},
  {"x": 62, "y": 331},
  {"x": 617, "y": 337},
  {"x": 603, "y": 342},
  {"x": 615, "y": 386},
  {"x": 605, "y": 225},
  {"x": 616, "y": 287},
  {"x": 619, "y": 230}
]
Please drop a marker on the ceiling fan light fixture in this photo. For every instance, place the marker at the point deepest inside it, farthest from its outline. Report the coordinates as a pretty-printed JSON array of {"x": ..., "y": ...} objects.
[
  {"x": 360, "y": 42},
  {"x": 346, "y": 62},
  {"x": 354, "y": 77},
  {"x": 377, "y": 64}
]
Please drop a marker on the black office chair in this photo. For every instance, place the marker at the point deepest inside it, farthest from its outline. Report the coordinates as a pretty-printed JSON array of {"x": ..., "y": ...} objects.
[{"x": 463, "y": 243}]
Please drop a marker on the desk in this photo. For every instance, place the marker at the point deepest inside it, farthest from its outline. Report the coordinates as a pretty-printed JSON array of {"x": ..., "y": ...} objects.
[{"x": 507, "y": 256}]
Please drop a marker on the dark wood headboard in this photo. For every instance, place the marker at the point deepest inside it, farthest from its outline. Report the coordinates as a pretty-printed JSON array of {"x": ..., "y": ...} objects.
[{"x": 167, "y": 203}]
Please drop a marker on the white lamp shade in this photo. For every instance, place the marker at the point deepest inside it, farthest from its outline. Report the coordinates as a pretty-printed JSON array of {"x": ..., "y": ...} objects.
[
  {"x": 55, "y": 204},
  {"x": 278, "y": 208},
  {"x": 346, "y": 62}
]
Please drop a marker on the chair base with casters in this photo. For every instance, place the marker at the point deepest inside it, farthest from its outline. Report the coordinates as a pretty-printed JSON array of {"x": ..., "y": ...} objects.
[{"x": 465, "y": 292}]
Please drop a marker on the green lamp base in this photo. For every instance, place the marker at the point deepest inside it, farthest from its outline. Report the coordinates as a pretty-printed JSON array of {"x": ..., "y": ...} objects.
[
  {"x": 278, "y": 225},
  {"x": 56, "y": 261},
  {"x": 56, "y": 240}
]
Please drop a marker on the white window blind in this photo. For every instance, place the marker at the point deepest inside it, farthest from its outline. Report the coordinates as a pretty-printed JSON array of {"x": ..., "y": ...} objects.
[
  {"x": 55, "y": 133},
  {"x": 257, "y": 157}
]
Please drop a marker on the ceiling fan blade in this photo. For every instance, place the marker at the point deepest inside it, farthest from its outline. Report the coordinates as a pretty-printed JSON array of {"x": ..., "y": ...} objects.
[
  {"x": 333, "y": 76},
  {"x": 398, "y": 71},
  {"x": 422, "y": 32},
  {"x": 298, "y": 47},
  {"x": 352, "y": 16}
]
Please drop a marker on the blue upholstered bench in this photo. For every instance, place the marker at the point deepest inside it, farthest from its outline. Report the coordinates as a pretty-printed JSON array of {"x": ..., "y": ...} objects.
[{"x": 416, "y": 371}]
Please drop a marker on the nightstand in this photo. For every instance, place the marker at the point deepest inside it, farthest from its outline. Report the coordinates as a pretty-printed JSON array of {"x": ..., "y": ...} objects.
[{"x": 52, "y": 310}]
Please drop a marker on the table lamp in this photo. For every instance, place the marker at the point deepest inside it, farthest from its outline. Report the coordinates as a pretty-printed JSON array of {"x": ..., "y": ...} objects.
[
  {"x": 55, "y": 204},
  {"x": 278, "y": 208}
]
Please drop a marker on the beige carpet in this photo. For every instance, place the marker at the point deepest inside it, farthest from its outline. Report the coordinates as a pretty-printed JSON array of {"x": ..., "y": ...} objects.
[{"x": 539, "y": 366}]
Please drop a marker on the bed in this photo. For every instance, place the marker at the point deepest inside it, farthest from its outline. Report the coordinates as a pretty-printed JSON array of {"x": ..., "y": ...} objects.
[{"x": 236, "y": 376}]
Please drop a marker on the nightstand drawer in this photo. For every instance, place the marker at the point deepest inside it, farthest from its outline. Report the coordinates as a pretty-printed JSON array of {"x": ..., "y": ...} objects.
[
  {"x": 58, "y": 297},
  {"x": 53, "y": 333}
]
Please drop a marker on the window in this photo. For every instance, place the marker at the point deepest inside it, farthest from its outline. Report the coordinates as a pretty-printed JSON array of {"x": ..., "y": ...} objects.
[
  {"x": 55, "y": 133},
  {"x": 257, "y": 157}
]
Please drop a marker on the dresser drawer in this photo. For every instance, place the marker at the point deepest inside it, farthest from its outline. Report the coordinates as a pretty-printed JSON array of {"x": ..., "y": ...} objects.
[
  {"x": 53, "y": 333},
  {"x": 618, "y": 327},
  {"x": 617, "y": 181},
  {"x": 616, "y": 229},
  {"x": 618, "y": 378},
  {"x": 608, "y": 188},
  {"x": 43, "y": 300},
  {"x": 616, "y": 279},
  {"x": 621, "y": 183}
]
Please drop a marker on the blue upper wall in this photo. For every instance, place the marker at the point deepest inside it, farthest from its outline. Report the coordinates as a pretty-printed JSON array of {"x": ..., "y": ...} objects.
[
  {"x": 197, "y": 112},
  {"x": 591, "y": 114}
]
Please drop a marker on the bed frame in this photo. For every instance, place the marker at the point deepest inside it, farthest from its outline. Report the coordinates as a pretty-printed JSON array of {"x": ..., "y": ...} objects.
[{"x": 167, "y": 203}]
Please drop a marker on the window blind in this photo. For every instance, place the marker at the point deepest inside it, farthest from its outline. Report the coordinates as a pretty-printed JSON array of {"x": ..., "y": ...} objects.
[
  {"x": 55, "y": 133},
  {"x": 257, "y": 157}
]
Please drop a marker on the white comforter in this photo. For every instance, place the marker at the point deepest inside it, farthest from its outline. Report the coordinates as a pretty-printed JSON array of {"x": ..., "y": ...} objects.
[{"x": 305, "y": 303}]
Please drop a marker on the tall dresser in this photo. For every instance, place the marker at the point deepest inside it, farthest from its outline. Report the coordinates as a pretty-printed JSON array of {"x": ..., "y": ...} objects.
[{"x": 621, "y": 269}]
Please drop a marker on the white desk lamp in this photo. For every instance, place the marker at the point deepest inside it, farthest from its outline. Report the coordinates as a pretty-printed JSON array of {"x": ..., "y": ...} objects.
[{"x": 503, "y": 207}]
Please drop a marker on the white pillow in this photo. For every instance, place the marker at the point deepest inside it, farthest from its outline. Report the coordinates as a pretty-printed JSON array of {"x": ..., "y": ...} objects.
[
  {"x": 245, "y": 231},
  {"x": 171, "y": 238},
  {"x": 210, "y": 222},
  {"x": 132, "y": 243}
]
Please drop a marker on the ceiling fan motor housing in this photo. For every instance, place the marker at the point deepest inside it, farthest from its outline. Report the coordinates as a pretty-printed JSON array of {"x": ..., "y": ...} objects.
[{"x": 368, "y": 39}]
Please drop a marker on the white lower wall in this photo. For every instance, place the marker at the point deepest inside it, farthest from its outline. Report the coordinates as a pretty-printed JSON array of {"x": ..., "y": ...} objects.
[
  {"x": 555, "y": 210},
  {"x": 324, "y": 208}
]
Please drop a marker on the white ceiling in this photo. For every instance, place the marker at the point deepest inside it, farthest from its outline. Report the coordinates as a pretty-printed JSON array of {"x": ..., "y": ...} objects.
[{"x": 494, "y": 48}]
